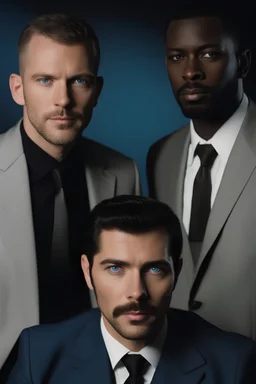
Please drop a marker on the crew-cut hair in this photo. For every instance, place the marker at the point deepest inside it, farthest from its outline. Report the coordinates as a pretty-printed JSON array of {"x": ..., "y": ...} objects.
[{"x": 64, "y": 29}]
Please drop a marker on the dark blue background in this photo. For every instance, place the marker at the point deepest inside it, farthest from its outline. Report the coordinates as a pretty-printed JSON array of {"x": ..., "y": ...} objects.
[{"x": 137, "y": 105}]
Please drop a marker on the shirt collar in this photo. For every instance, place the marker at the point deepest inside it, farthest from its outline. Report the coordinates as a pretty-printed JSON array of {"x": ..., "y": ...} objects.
[
  {"x": 224, "y": 139},
  {"x": 116, "y": 350}
]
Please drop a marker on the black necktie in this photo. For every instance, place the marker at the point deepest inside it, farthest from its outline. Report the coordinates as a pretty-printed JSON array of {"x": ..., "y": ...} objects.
[
  {"x": 202, "y": 189},
  {"x": 60, "y": 236},
  {"x": 136, "y": 366}
]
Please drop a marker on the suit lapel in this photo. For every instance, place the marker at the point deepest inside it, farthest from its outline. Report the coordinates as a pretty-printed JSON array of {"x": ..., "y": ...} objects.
[
  {"x": 86, "y": 360},
  {"x": 181, "y": 362},
  {"x": 16, "y": 228},
  {"x": 170, "y": 174},
  {"x": 100, "y": 183},
  {"x": 170, "y": 177},
  {"x": 169, "y": 371},
  {"x": 240, "y": 166},
  {"x": 178, "y": 179}
]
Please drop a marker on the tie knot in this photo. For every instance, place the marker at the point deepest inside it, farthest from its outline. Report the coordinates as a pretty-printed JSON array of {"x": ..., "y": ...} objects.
[
  {"x": 135, "y": 364},
  {"x": 57, "y": 179},
  {"x": 207, "y": 154}
]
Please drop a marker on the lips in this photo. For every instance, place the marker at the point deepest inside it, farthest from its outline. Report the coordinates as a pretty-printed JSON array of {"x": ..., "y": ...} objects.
[
  {"x": 193, "y": 94},
  {"x": 63, "y": 118},
  {"x": 193, "y": 91},
  {"x": 136, "y": 315}
]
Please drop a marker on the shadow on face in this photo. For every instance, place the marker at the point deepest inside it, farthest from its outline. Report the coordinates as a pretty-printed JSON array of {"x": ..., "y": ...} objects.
[{"x": 203, "y": 67}]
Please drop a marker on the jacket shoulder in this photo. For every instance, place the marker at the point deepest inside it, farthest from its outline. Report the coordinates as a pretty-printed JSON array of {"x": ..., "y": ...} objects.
[
  {"x": 156, "y": 157},
  {"x": 208, "y": 336},
  {"x": 168, "y": 143},
  {"x": 169, "y": 139},
  {"x": 42, "y": 345},
  {"x": 53, "y": 333},
  {"x": 96, "y": 150}
]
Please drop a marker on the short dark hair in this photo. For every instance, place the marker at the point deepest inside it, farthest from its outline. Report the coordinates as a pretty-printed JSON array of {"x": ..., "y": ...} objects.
[
  {"x": 230, "y": 21},
  {"x": 135, "y": 215},
  {"x": 64, "y": 29}
]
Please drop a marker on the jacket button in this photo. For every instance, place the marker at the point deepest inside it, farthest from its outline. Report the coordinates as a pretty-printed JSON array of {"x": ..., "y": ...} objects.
[{"x": 194, "y": 305}]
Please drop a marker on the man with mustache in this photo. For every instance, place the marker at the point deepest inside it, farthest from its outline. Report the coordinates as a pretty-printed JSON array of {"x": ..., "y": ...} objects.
[
  {"x": 50, "y": 176},
  {"x": 206, "y": 171},
  {"x": 132, "y": 262}
]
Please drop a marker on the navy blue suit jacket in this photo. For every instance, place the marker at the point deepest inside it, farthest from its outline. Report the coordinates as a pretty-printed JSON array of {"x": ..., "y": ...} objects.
[{"x": 73, "y": 352}]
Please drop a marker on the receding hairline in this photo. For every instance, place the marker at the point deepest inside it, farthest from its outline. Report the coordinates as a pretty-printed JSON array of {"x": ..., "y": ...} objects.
[
  {"x": 24, "y": 48},
  {"x": 63, "y": 29}
]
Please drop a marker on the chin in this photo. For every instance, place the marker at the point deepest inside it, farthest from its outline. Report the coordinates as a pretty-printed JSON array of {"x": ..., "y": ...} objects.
[
  {"x": 65, "y": 137},
  {"x": 140, "y": 335},
  {"x": 196, "y": 112}
]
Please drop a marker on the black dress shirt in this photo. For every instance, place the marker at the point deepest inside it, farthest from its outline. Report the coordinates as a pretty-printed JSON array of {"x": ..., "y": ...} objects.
[{"x": 59, "y": 297}]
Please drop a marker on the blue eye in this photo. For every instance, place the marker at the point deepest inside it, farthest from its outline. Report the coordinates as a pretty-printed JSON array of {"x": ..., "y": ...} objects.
[
  {"x": 80, "y": 81},
  {"x": 114, "y": 268},
  {"x": 44, "y": 81},
  {"x": 155, "y": 269}
]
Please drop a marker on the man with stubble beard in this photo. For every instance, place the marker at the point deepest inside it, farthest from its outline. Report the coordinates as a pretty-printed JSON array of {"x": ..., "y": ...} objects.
[{"x": 50, "y": 176}]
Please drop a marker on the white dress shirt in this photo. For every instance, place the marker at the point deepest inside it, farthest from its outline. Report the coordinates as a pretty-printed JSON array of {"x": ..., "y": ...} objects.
[
  {"x": 222, "y": 141},
  {"x": 116, "y": 352}
]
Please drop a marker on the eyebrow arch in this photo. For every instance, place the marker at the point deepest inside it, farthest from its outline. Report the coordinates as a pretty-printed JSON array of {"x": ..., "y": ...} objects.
[
  {"x": 43, "y": 74},
  {"x": 122, "y": 263},
  {"x": 85, "y": 75},
  {"x": 114, "y": 261},
  {"x": 201, "y": 47},
  {"x": 159, "y": 263}
]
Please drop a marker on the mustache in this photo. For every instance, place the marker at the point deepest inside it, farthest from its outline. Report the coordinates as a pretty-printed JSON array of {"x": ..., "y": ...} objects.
[
  {"x": 63, "y": 114},
  {"x": 142, "y": 307},
  {"x": 190, "y": 86}
]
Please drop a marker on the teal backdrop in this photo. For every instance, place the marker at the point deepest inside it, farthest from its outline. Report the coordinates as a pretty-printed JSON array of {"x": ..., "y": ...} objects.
[{"x": 136, "y": 106}]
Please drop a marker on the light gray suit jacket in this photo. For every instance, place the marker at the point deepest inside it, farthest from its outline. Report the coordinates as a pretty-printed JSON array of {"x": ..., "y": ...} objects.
[
  {"x": 108, "y": 173},
  {"x": 222, "y": 287}
]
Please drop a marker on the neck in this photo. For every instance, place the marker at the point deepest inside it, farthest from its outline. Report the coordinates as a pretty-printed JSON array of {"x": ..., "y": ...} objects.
[{"x": 206, "y": 128}]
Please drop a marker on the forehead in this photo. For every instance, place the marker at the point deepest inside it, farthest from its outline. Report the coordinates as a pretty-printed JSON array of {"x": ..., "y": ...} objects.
[
  {"x": 195, "y": 31},
  {"x": 121, "y": 244},
  {"x": 44, "y": 54}
]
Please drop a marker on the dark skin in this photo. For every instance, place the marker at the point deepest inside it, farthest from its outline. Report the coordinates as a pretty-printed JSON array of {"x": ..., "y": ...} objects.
[{"x": 206, "y": 71}]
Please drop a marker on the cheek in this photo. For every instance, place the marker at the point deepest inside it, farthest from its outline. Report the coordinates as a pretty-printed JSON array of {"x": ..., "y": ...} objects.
[
  {"x": 35, "y": 99},
  {"x": 85, "y": 99},
  {"x": 160, "y": 289},
  {"x": 106, "y": 288},
  {"x": 222, "y": 73},
  {"x": 175, "y": 77}
]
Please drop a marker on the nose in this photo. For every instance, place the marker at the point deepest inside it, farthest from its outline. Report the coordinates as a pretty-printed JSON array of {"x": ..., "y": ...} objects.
[
  {"x": 137, "y": 289},
  {"x": 193, "y": 70},
  {"x": 62, "y": 96}
]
